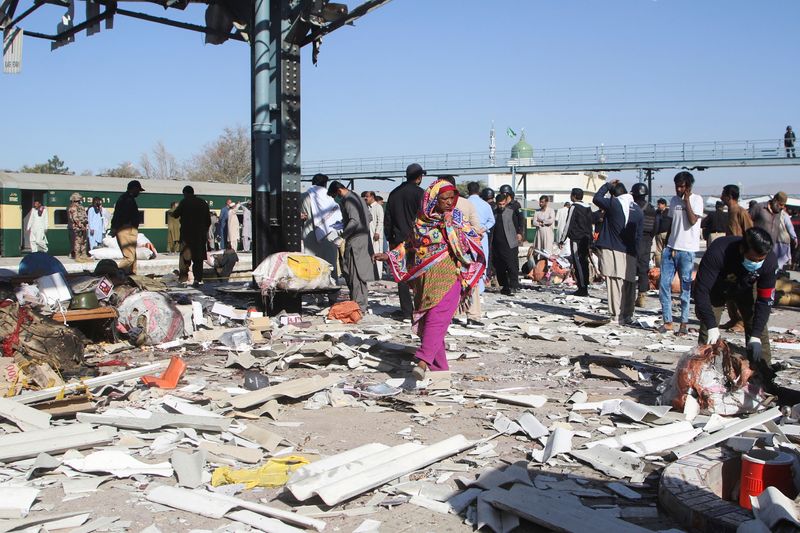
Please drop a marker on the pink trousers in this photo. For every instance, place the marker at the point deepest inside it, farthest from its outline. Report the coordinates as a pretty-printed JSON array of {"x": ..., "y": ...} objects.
[{"x": 434, "y": 327}]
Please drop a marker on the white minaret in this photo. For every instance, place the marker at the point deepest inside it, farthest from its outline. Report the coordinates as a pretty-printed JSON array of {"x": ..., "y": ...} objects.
[{"x": 492, "y": 147}]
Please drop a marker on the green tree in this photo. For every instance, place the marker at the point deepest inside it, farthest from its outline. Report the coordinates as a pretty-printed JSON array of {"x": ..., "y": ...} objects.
[{"x": 54, "y": 165}]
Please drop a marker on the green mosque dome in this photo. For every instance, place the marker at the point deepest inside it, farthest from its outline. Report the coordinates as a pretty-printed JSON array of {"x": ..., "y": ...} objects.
[{"x": 522, "y": 150}]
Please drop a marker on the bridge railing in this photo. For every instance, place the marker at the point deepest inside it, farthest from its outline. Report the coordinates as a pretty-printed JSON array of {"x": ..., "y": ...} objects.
[{"x": 608, "y": 155}]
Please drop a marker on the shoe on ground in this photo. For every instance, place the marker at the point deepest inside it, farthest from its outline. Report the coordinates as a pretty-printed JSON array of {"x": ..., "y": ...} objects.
[
  {"x": 580, "y": 293},
  {"x": 418, "y": 372},
  {"x": 475, "y": 324},
  {"x": 737, "y": 328},
  {"x": 664, "y": 329},
  {"x": 640, "y": 300},
  {"x": 683, "y": 330},
  {"x": 197, "y": 284},
  {"x": 506, "y": 292}
]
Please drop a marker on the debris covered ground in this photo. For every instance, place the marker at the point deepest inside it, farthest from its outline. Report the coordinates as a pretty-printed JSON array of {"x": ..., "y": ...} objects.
[{"x": 546, "y": 408}]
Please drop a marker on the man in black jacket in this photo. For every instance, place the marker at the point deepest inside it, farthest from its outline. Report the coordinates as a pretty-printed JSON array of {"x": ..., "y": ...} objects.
[
  {"x": 125, "y": 225},
  {"x": 516, "y": 208},
  {"x": 578, "y": 229},
  {"x": 401, "y": 212},
  {"x": 617, "y": 243},
  {"x": 645, "y": 244},
  {"x": 195, "y": 221},
  {"x": 742, "y": 269},
  {"x": 505, "y": 246}
]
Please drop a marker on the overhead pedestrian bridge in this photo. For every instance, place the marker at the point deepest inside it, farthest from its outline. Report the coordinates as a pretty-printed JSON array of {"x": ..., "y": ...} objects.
[{"x": 646, "y": 157}]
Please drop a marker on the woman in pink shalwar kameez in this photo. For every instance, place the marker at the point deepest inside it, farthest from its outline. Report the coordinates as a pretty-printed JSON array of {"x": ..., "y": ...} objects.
[{"x": 443, "y": 259}]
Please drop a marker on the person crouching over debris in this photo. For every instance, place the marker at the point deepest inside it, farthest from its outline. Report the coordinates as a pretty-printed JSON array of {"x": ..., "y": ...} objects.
[
  {"x": 225, "y": 262},
  {"x": 740, "y": 269},
  {"x": 444, "y": 258},
  {"x": 357, "y": 265}
]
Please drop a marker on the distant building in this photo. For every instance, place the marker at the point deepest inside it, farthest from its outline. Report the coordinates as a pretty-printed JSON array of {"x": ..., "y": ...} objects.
[{"x": 555, "y": 185}]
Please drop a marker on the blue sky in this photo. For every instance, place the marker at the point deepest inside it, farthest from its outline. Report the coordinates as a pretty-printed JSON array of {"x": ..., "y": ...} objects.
[{"x": 425, "y": 76}]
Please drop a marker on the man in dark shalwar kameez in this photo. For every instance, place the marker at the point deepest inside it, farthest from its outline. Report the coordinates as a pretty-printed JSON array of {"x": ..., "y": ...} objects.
[{"x": 357, "y": 265}]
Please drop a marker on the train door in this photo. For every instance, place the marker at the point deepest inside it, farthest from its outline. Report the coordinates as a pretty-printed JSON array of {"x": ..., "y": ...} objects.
[{"x": 26, "y": 205}]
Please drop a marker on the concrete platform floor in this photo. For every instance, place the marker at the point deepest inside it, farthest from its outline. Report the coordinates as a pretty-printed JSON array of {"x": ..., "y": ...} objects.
[{"x": 162, "y": 264}]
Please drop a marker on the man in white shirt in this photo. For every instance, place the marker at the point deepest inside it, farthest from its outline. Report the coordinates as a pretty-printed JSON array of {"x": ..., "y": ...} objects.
[
  {"x": 686, "y": 210},
  {"x": 375, "y": 226},
  {"x": 37, "y": 227},
  {"x": 561, "y": 222}
]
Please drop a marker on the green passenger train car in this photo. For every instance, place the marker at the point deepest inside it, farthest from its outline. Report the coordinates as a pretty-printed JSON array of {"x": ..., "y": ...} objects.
[{"x": 18, "y": 191}]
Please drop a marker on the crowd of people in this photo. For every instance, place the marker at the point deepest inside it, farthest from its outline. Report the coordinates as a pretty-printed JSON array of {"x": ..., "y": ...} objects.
[
  {"x": 449, "y": 248},
  {"x": 435, "y": 242},
  {"x": 193, "y": 230}
]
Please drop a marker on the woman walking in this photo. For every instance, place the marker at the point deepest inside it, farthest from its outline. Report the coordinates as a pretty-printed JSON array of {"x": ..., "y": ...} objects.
[{"x": 444, "y": 260}]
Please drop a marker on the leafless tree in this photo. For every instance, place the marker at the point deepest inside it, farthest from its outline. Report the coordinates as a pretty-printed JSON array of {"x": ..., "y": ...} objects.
[
  {"x": 162, "y": 166},
  {"x": 123, "y": 170},
  {"x": 226, "y": 159}
]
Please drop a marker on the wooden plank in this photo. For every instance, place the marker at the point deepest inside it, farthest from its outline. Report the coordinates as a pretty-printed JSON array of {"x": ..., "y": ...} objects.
[
  {"x": 558, "y": 511},
  {"x": 76, "y": 315}
]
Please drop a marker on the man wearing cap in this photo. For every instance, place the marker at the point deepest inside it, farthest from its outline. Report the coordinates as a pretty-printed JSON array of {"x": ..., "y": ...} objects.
[
  {"x": 357, "y": 265},
  {"x": 78, "y": 225},
  {"x": 401, "y": 211},
  {"x": 125, "y": 225}
]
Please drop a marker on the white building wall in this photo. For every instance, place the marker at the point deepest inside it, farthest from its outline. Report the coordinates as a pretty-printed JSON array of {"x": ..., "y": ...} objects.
[{"x": 557, "y": 185}]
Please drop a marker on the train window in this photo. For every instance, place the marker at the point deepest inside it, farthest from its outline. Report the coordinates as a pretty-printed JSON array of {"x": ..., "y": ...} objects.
[
  {"x": 60, "y": 217},
  {"x": 141, "y": 217}
]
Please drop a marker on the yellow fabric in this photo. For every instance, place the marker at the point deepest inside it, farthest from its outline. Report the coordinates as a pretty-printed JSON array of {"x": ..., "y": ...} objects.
[
  {"x": 273, "y": 473},
  {"x": 305, "y": 267}
]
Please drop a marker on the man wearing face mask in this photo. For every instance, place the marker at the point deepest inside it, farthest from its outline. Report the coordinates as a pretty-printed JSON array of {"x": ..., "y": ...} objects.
[{"x": 740, "y": 269}]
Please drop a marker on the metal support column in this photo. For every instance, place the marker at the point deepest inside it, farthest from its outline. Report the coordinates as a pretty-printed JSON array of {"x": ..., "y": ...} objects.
[
  {"x": 275, "y": 106},
  {"x": 648, "y": 172}
]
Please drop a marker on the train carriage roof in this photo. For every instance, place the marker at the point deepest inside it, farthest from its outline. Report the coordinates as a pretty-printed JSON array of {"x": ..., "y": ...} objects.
[{"x": 62, "y": 182}]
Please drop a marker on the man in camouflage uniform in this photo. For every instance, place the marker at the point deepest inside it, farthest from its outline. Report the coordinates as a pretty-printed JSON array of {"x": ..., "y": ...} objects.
[{"x": 78, "y": 223}]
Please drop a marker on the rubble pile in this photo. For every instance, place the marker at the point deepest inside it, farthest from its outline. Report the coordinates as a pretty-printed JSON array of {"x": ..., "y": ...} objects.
[{"x": 201, "y": 414}]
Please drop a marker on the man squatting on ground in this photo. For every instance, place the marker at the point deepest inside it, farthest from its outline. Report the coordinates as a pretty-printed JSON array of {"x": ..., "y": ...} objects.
[{"x": 742, "y": 269}]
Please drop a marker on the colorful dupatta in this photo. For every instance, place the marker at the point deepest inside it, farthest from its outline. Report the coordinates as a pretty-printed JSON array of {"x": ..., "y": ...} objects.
[{"x": 435, "y": 237}]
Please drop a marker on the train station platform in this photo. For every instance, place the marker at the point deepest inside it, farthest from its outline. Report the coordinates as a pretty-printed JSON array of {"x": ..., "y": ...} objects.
[{"x": 161, "y": 265}]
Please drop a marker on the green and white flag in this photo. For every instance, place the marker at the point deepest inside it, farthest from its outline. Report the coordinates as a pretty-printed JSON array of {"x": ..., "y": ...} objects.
[{"x": 511, "y": 133}]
